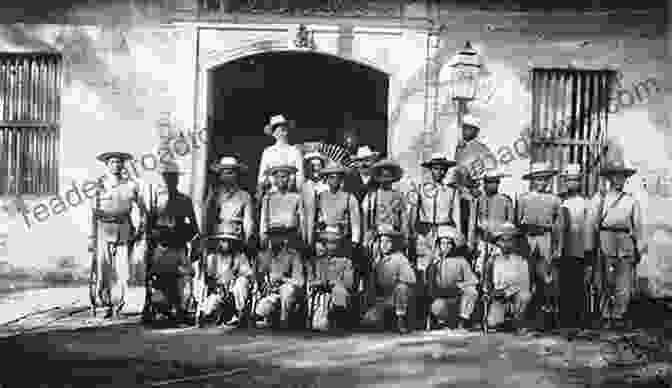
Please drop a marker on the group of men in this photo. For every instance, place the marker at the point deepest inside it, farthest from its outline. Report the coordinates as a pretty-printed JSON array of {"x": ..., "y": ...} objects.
[{"x": 344, "y": 247}]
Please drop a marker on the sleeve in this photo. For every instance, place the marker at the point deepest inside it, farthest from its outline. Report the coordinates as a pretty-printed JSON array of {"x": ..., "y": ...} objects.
[
  {"x": 263, "y": 165},
  {"x": 404, "y": 217},
  {"x": 301, "y": 219},
  {"x": 638, "y": 226},
  {"x": 263, "y": 219},
  {"x": 245, "y": 266},
  {"x": 298, "y": 161},
  {"x": 210, "y": 212},
  {"x": 140, "y": 203},
  {"x": 365, "y": 215},
  {"x": 509, "y": 210},
  {"x": 468, "y": 276},
  {"x": 592, "y": 220},
  {"x": 297, "y": 271},
  {"x": 406, "y": 273},
  {"x": 524, "y": 280},
  {"x": 355, "y": 218},
  {"x": 92, "y": 214},
  {"x": 519, "y": 209},
  {"x": 191, "y": 216},
  {"x": 248, "y": 219},
  {"x": 309, "y": 207},
  {"x": 414, "y": 202}
]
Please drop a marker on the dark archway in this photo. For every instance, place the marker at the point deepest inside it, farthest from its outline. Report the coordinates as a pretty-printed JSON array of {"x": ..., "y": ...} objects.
[{"x": 323, "y": 94}]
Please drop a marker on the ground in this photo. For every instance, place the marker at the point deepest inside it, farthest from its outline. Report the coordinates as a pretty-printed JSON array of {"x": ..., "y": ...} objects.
[{"x": 69, "y": 348}]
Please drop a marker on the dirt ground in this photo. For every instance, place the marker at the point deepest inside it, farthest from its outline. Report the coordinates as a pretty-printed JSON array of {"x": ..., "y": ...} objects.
[{"x": 68, "y": 348}]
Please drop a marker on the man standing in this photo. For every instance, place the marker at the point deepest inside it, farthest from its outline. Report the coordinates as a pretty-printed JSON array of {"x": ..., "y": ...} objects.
[
  {"x": 280, "y": 153},
  {"x": 113, "y": 234},
  {"x": 284, "y": 208},
  {"x": 359, "y": 182},
  {"x": 173, "y": 226},
  {"x": 538, "y": 215},
  {"x": 311, "y": 190},
  {"x": 228, "y": 205},
  {"x": 576, "y": 243},
  {"x": 617, "y": 218}
]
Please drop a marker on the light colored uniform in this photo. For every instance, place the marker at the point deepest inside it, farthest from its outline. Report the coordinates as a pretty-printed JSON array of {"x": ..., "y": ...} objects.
[
  {"x": 281, "y": 155},
  {"x": 111, "y": 223},
  {"x": 620, "y": 219},
  {"x": 310, "y": 192},
  {"x": 341, "y": 209},
  {"x": 391, "y": 285},
  {"x": 511, "y": 274},
  {"x": 384, "y": 207},
  {"x": 339, "y": 273},
  {"x": 281, "y": 294},
  {"x": 449, "y": 279},
  {"x": 231, "y": 208},
  {"x": 235, "y": 273},
  {"x": 491, "y": 211},
  {"x": 284, "y": 209}
]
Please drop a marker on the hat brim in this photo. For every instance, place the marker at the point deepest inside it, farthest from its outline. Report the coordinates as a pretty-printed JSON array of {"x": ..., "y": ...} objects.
[
  {"x": 275, "y": 231},
  {"x": 105, "y": 156},
  {"x": 373, "y": 156},
  {"x": 495, "y": 177},
  {"x": 618, "y": 171},
  {"x": 540, "y": 174},
  {"x": 397, "y": 173},
  {"x": 333, "y": 171},
  {"x": 269, "y": 129},
  {"x": 445, "y": 163},
  {"x": 330, "y": 236},
  {"x": 223, "y": 236},
  {"x": 288, "y": 169}
]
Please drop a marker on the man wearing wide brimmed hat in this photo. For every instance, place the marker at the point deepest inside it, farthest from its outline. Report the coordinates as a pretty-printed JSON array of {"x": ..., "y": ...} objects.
[
  {"x": 280, "y": 153},
  {"x": 507, "y": 281},
  {"x": 228, "y": 204},
  {"x": 385, "y": 205},
  {"x": 227, "y": 278},
  {"x": 171, "y": 225},
  {"x": 280, "y": 272},
  {"x": 450, "y": 279},
  {"x": 359, "y": 181},
  {"x": 113, "y": 233},
  {"x": 576, "y": 248},
  {"x": 538, "y": 215},
  {"x": 436, "y": 204},
  {"x": 617, "y": 218},
  {"x": 282, "y": 207},
  {"x": 391, "y": 283},
  {"x": 311, "y": 190},
  {"x": 492, "y": 209},
  {"x": 331, "y": 281}
]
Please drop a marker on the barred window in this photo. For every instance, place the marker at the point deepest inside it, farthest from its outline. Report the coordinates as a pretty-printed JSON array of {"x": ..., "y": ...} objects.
[{"x": 30, "y": 111}]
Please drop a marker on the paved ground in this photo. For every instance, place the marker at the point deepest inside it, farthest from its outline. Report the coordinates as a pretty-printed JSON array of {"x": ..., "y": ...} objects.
[{"x": 78, "y": 351}]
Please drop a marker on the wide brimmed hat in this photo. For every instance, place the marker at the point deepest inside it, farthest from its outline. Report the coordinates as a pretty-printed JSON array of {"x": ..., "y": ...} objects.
[
  {"x": 386, "y": 171},
  {"x": 506, "y": 229},
  {"x": 365, "y": 154},
  {"x": 331, "y": 233},
  {"x": 315, "y": 155},
  {"x": 494, "y": 175},
  {"x": 279, "y": 229},
  {"x": 281, "y": 168},
  {"x": 228, "y": 162},
  {"x": 471, "y": 121},
  {"x": 617, "y": 167},
  {"x": 572, "y": 170},
  {"x": 333, "y": 168},
  {"x": 169, "y": 167},
  {"x": 274, "y": 122},
  {"x": 439, "y": 160},
  {"x": 105, "y": 156},
  {"x": 388, "y": 230},
  {"x": 540, "y": 170},
  {"x": 447, "y": 231},
  {"x": 226, "y": 231}
]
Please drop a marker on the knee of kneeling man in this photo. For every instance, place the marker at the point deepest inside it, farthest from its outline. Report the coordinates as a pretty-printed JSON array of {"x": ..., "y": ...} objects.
[
  {"x": 439, "y": 306},
  {"x": 525, "y": 296},
  {"x": 470, "y": 291},
  {"x": 289, "y": 290}
]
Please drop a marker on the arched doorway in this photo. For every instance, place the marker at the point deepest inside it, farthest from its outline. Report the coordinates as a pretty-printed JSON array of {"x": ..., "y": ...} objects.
[{"x": 323, "y": 94}]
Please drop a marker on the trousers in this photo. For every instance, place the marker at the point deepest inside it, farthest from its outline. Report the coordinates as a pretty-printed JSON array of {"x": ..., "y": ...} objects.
[
  {"x": 515, "y": 306},
  {"x": 442, "y": 306},
  {"x": 619, "y": 286},
  {"x": 572, "y": 293},
  {"x": 398, "y": 302},
  {"x": 286, "y": 299},
  {"x": 240, "y": 290}
]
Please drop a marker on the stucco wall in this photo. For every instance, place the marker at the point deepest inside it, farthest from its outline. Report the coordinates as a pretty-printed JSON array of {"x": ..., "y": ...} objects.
[{"x": 122, "y": 80}]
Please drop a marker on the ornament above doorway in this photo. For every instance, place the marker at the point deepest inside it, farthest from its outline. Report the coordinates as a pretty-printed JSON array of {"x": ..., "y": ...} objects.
[{"x": 305, "y": 39}]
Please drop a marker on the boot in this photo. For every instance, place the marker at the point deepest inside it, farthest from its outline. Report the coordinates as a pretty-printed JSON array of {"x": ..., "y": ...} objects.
[{"x": 402, "y": 324}]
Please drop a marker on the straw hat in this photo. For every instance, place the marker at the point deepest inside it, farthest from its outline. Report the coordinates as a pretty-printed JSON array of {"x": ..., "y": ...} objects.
[
  {"x": 226, "y": 231},
  {"x": 439, "y": 160},
  {"x": 494, "y": 175},
  {"x": 471, "y": 121},
  {"x": 315, "y": 155},
  {"x": 447, "y": 231},
  {"x": 228, "y": 162},
  {"x": 388, "y": 230},
  {"x": 274, "y": 122},
  {"x": 617, "y": 167},
  {"x": 573, "y": 170},
  {"x": 540, "y": 170},
  {"x": 333, "y": 168},
  {"x": 105, "y": 156},
  {"x": 365, "y": 154},
  {"x": 281, "y": 168},
  {"x": 387, "y": 171}
]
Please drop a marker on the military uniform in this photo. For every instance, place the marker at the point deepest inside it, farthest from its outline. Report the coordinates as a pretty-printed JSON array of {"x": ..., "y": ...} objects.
[
  {"x": 357, "y": 183},
  {"x": 617, "y": 217},
  {"x": 282, "y": 208},
  {"x": 310, "y": 193},
  {"x": 281, "y": 274},
  {"x": 233, "y": 272},
  {"x": 113, "y": 235},
  {"x": 510, "y": 277},
  {"x": 491, "y": 211}
]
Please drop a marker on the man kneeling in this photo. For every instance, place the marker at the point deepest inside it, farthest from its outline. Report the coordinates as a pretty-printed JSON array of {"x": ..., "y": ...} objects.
[
  {"x": 392, "y": 281},
  {"x": 228, "y": 279},
  {"x": 510, "y": 291},
  {"x": 331, "y": 282},
  {"x": 280, "y": 275},
  {"x": 450, "y": 281}
]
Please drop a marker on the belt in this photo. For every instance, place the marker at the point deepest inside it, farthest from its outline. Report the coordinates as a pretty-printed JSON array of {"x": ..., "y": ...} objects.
[
  {"x": 615, "y": 229},
  {"x": 427, "y": 223},
  {"x": 536, "y": 230},
  {"x": 113, "y": 219}
]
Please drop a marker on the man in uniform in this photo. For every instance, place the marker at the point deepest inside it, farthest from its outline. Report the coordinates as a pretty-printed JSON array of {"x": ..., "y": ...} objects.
[
  {"x": 492, "y": 209},
  {"x": 510, "y": 291},
  {"x": 311, "y": 190},
  {"x": 280, "y": 274},
  {"x": 227, "y": 278},
  {"x": 282, "y": 207},
  {"x": 617, "y": 219},
  {"x": 450, "y": 279},
  {"x": 393, "y": 279},
  {"x": 359, "y": 181},
  {"x": 228, "y": 205},
  {"x": 113, "y": 233},
  {"x": 576, "y": 243},
  {"x": 385, "y": 205},
  {"x": 170, "y": 215}
]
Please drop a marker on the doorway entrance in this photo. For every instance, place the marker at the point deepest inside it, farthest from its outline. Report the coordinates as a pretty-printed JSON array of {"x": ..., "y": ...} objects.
[{"x": 323, "y": 94}]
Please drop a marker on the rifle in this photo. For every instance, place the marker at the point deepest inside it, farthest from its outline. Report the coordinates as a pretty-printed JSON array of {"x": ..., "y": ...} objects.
[{"x": 93, "y": 275}]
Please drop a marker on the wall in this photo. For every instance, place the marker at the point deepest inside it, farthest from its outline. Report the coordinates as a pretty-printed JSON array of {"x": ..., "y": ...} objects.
[{"x": 123, "y": 78}]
